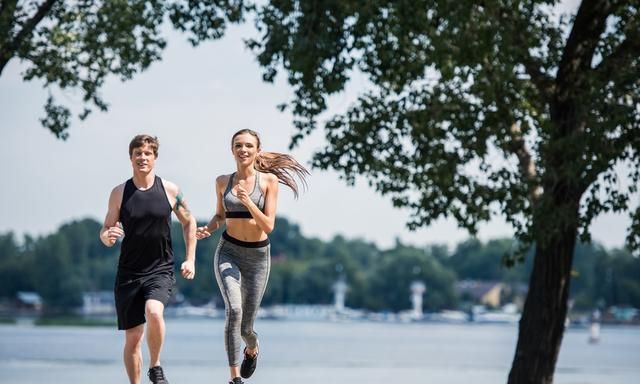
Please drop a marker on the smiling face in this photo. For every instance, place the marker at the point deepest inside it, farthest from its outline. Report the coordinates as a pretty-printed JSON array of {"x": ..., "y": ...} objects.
[
  {"x": 245, "y": 147},
  {"x": 143, "y": 158}
]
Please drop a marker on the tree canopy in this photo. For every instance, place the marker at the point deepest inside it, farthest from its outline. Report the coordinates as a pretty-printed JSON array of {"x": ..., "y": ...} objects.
[
  {"x": 305, "y": 269},
  {"x": 79, "y": 44},
  {"x": 477, "y": 109},
  {"x": 469, "y": 102}
]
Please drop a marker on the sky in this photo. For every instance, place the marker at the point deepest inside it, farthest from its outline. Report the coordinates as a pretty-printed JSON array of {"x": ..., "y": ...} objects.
[{"x": 193, "y": 101}]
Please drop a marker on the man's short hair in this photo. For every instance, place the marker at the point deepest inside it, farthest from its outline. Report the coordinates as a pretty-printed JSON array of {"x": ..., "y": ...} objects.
[{"x": 141, "y": 140}]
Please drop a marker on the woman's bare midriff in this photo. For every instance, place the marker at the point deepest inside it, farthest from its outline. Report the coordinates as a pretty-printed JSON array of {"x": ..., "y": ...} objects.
[{"x": 245, "y": 230}]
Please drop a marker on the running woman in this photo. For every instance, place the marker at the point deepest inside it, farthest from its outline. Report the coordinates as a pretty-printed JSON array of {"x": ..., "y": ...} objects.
[{"x": 246, "y": 204}]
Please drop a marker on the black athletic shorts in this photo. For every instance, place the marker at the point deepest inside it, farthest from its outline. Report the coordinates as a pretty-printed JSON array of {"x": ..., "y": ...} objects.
[{"x": 132, "y": 293}]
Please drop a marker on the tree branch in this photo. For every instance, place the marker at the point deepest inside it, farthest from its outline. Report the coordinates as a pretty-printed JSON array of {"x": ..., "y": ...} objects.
[
  {"x": 7, "y": 9},
  {"x": 527, "y": 165},
  {"x": 589, "y": 24},
  {"x": 31, "y": 24},
  {"x": 622, "y": 57},
  {"x": 7, "y": 5},
  {"x": 14, "y": 44},
  {"x": 543, "y": 82}
]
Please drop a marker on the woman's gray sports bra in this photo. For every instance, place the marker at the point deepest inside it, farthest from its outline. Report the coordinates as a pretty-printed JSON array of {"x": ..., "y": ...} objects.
[{"x": 233, "y": 207}]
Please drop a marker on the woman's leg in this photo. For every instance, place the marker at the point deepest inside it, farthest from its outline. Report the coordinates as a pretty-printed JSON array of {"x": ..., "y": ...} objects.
[
  {"x": 255, "y": 274},
  {"x": 228, "y": 277}
]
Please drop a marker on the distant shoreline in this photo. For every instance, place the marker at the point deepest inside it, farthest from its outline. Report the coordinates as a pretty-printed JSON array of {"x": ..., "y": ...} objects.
[
  {"x": 108, "y": 321},
  {"x": 74, "y": 321}
]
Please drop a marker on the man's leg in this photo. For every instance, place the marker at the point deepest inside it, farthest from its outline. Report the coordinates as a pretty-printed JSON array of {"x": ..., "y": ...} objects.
[
  {"x": 154, "y": 311},
  {"x": 133, "y": 353}
]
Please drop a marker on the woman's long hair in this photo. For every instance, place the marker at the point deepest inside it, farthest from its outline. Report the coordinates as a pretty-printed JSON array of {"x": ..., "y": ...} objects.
[{"x": 284, "y": 166}]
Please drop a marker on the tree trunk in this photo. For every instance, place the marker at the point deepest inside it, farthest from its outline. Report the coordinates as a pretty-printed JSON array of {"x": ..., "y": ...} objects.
[{"x": 545, "y": 309}]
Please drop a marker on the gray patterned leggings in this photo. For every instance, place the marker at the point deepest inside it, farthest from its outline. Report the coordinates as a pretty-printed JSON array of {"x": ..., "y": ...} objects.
[{"x": 242, "y": 270}]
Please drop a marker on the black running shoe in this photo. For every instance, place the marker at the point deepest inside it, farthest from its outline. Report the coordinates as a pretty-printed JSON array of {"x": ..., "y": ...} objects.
[
  {"x": 156, "y": 375},
  {"x": 236, "y": 380},
  {"x": 248, "y": 365}
]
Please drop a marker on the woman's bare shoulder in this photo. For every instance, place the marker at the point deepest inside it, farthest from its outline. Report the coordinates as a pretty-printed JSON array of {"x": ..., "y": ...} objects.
[
  {"x": 270, "y": 178},
  {"x": 222, "y": 180}
]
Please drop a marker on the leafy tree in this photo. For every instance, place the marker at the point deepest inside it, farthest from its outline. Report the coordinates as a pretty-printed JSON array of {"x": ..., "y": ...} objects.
[
  {"x": 95, "y": 264},
  {"x": 628, "y": 273},
  {"x": 78, "y": 44},
  {"x": 72, "y": 260},
  {"x": 288, "y": 242},
  {"x": 617, "y": 279},
  {"x": 389, "y": 288},
  {"x": 350, "y": 260},
  {"x": 283, "y": 278},
  {"x": 585, "y": 275},
  {"x": 8, "y": 247},
  {"x": 439, "y": 251},
  {"x": 12, "y": 267},
  {"x": 474, "y": 260},
  {"x": 202, "y": 289},
  {"x": 56, "y": 278},
  {"x": 476, "y": 109},
  {"x": 305, "y": 270}
]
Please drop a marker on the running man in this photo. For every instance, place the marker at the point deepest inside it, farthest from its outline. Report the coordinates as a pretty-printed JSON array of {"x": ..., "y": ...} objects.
[{"x": 139, "y": 212}]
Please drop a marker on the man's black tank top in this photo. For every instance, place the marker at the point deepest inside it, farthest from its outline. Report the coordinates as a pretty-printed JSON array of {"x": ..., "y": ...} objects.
[{"x": 146, "y": 220}]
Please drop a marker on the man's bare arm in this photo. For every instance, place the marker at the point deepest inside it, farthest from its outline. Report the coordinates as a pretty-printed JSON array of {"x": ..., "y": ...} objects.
[
  {"x": 111, "y": 231},
  {"x": 189, "y": 226}
]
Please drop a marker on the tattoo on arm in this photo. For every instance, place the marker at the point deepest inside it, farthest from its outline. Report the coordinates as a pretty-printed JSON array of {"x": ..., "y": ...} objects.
[
  {"x": 179, "y": 200},
  {"x": 182, "y": 203}
]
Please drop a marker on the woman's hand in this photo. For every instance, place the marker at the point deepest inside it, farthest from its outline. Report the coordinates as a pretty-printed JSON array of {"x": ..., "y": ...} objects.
[
  {"x": 242, "y": 193},
  {"x": 202, "y": 232}
]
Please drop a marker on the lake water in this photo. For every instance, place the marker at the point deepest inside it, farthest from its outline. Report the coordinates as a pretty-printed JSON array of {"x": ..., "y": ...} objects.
[{"x": 316, "y": 353}]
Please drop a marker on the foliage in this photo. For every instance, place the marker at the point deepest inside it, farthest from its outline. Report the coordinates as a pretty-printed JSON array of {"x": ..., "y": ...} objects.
[
  {"x": 72, "y": 260},
  {"x": 12, "y": 267},
  {"x": 79, "y": 44},
  {"x": 399, "y": 267},
  {"x": 474, "y": 109},
  {"x": 474, "y": 260}
]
